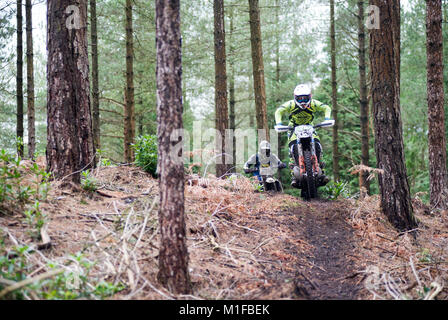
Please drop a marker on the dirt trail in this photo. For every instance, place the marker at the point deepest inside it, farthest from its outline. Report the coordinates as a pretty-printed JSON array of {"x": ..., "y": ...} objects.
[{"x": 332, "y": 237}]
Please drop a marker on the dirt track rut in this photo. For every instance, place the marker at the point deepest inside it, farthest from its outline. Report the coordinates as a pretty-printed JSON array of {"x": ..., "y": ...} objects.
[{"x": 332, "y": 237}]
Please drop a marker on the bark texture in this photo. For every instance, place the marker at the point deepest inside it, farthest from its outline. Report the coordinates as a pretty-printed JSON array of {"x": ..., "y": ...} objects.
[
  {"x": 129, "y": 110},
  {"x": 258, "y": 67},
  {"x": 173, "y": 253},
  {"x": 30, "y": 80},
  {"x": 19, "y": 77},
  {"x": 221, "y": 112},
  {"x": 385, "y": 70},
  {"x": 95, "y": 86},
  {"x": 69, "y": 124},
  {"x": 436, "y": 113},
  {"x": 364, "y": 184}
]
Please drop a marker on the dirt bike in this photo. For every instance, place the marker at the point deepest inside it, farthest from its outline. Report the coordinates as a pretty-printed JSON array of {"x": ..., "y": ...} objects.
[
  {"x": 268, "y": 181},
  {"x": 306, "y": 171}
]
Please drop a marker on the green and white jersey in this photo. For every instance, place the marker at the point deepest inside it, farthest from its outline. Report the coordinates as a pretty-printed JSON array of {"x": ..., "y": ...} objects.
[{"x": 297, "y": 116}]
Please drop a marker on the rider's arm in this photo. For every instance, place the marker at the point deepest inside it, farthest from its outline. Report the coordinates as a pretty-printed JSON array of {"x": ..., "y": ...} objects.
[
  {"x": 251, "y": 161},
  {"x": 284, "y": 108},
  {"x": 324, "y": 108},
  {"x": 275, "y": 159}
]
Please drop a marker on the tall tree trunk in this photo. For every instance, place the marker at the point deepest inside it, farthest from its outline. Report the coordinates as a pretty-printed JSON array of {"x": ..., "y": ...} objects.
[
  {"x": 173, "y": 253},
  {"x": 364, "y": 184},
  {"x": 30, "y": 80},
  {"x": 19, "y": 78},
  {"x": 436, "y": 112},
  {"x": 258, "y": 67},
  {"x": 221, "y": 112},
  {"x": 385, "y": 71},
  {"x": 334, "y": 94},
  {"x": 282, "y": 139},
  {"x": 129, "y": 119},
  {"x": 277, "y": 44},
  {"x": 95, "y": 85},
  {"x": 232, "y": 98},
  {"x": 69, "y": 124}
]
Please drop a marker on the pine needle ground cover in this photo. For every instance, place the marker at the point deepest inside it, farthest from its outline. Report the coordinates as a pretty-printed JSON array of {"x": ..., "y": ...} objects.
[{"x": 242, "y": 244}]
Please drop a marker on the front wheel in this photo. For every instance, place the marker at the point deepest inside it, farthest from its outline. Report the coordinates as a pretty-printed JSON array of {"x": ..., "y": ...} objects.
[{"x": 310, "y": 190}]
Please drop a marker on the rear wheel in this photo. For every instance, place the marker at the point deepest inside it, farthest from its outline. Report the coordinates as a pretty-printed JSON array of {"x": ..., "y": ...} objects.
[{"x": 310, "y": 189}]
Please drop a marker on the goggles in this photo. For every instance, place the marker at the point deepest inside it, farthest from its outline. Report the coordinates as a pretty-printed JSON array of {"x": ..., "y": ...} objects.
[{"x": 303, "y": 99}]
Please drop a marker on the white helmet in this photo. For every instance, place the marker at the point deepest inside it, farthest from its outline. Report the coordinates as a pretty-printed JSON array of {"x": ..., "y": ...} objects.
[
  {"x": 265, "y": 148},
  {"x": 302, "y": 96}
]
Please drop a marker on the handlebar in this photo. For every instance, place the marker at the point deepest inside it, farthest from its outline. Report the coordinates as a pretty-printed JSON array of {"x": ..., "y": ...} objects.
[{"x": 325, "y": 124}]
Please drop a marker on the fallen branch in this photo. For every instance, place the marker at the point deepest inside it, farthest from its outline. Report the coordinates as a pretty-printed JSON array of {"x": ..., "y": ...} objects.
[{"x": 28, "y": 281}]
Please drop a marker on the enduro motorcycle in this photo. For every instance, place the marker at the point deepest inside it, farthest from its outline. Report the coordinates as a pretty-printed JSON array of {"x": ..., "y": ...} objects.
[
  {"x": 268, "y": 181},
  {"x": 306, "y": 171}
]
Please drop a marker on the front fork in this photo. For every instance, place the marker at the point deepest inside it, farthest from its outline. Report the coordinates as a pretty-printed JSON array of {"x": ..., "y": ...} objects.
[{"x": 300, "y": 161}]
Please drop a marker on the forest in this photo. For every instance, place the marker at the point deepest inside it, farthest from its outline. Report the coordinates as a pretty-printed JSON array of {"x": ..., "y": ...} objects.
[{"x": 133, "y": 158}]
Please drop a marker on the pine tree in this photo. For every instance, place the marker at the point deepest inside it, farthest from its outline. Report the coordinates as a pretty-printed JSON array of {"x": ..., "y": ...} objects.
[
  {"x": 436, "y": 112},
  {"x": 69, "y": 124},
  {"x": 364, "y": 103},
  {"x": 30, "y": 80},
  {"x": 19, "y": 77},
  {"x": 129, "y": 110},
  {"x": 173, "y": 253},
  {"x": 95, "y": 89},
  {"x": 385, "y": 72},
  {"x": 334, "y": 93},
  {"x": 258, "y": 67},
  {"x": 221, "y": 112}
]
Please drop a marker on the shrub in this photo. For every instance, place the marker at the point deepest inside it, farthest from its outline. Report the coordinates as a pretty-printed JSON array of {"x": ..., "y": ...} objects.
[
  {"x": 334, "y": 190},
  {"x": 88, "y": 183},
  {"x": 146, "y": 153}
]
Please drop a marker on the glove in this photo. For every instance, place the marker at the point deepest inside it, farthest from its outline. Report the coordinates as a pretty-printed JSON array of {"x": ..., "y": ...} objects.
[
  {"x": 282, "y": 165},
  {"x": 249, "y": 170}
]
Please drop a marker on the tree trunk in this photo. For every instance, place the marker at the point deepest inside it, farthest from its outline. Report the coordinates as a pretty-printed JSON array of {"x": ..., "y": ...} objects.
[
  {"x": 436, "y": 112},
  {"x": 69, "y": 124},
  {"x": 232, "y": 98},
  {"x": 129, "y": 119},
  {"x": 385, "y": 71},
  {"x": 364, "y": 184},
  {"x": 221, "y": 112},
  {"x": 173, "y": 253},
  {"x": 334, "y": 94},
  {"x": 282, "y": 139},
  {"x": 30, "y": 80},
  {"x": 258, "y": 67},
  {"x": 19, "y": 78},
  {"x": 95, "y": 85}
]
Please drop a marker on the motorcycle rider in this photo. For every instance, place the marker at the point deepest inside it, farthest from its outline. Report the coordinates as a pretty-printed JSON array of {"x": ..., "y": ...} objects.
[
  {"x": 264, "y": 158},
  {"x": 301, "y": 111}
]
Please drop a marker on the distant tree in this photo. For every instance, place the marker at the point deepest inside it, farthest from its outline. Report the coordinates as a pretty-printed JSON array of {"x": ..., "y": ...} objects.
[
  {"x": 221, "y": 111},
  {"x": 436, "y": 113},
  {"x": 129, "y": 111},
  {"x": 258, "y": 67},
  {"x": 95, "y": 71},
  {"x": 69, "y": 124},
  {"x": 385, "y": 72},
  {"x": 30, "y": 80},
  {"x": 334, "y": 93},
  {"x": 173, "y": 253},
  {"x": 19, "y": 77},
  {"x": 364, "y": 102},
  {"x": 232, "y": 97}
]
